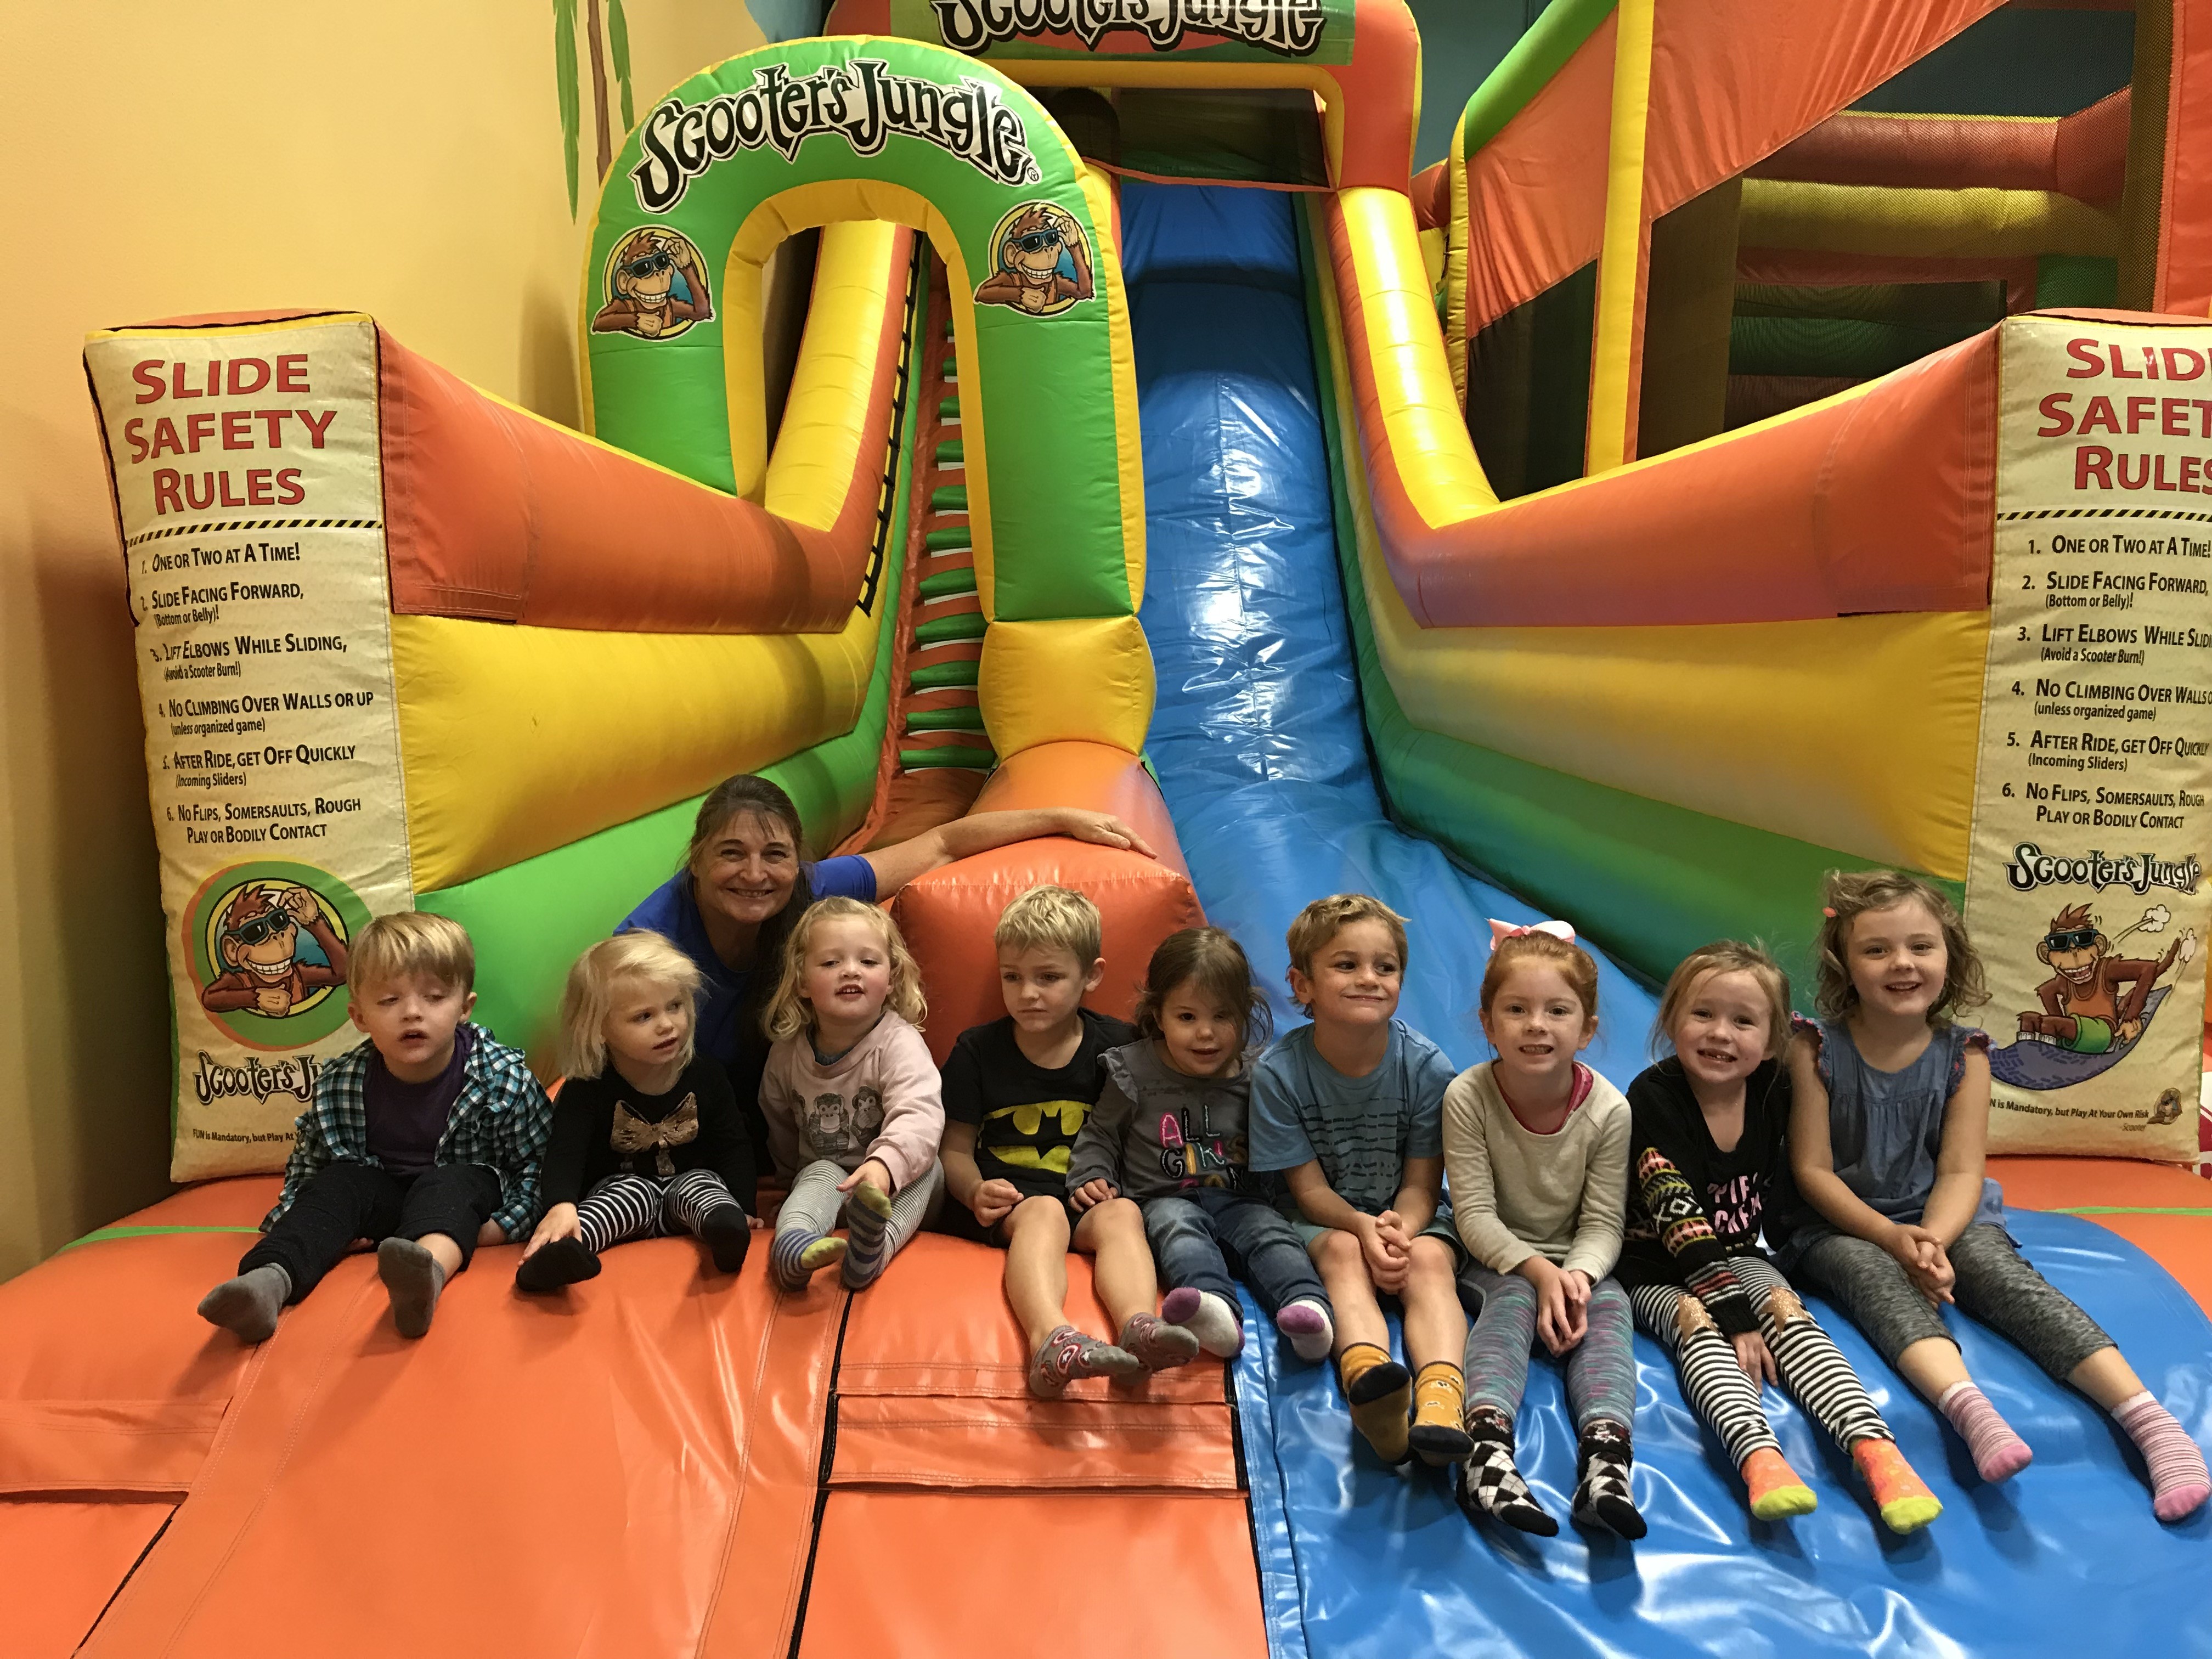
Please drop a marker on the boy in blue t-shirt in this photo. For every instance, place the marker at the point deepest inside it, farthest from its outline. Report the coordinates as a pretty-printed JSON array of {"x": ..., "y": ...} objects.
[{"x": 1349, "y": 1108}]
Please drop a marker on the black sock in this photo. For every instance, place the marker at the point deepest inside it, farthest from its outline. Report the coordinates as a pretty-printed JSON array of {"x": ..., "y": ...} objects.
[
  {"x": 728, "y": 1234},
  {"x": 1601, "y": 1493},
  {"x": 556, "y": 1264},
  {"x": 1491, "y": 1484}
]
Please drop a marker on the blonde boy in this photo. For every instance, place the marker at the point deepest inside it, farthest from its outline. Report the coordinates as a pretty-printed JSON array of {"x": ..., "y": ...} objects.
[
  {"x": 426, "y": 1138},
  {"x": 1016, "y": 1091},
  {"x": 1349, "y": 1108}
]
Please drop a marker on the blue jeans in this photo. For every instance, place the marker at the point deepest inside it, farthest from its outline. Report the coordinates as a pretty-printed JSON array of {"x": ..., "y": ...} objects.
[{"x": 1195, "y": 1235}]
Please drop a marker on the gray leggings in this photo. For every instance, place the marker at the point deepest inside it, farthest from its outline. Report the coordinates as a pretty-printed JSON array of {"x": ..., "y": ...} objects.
[
  {"x": 1995, "y": 1285},
  {"x": 816, "y": 1206}
]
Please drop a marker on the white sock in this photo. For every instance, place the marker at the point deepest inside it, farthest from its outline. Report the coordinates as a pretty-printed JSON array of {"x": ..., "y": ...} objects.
[
  {"x": 1218, "y": 1327},
  {"x": 1309, "y": 1340}
]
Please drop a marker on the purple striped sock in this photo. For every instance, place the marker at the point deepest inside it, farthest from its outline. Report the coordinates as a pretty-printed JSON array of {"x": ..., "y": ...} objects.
[
  {"x": 1998, "y": 1453},
  {"x": 2178, "y": 1482}
]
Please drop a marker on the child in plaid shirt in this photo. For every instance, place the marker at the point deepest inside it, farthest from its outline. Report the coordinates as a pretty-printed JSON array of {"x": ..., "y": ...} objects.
[{"x": 426, "y": 1138}]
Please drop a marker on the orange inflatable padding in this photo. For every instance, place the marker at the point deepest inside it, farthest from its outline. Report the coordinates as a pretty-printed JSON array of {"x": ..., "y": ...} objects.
[
  {"x": 493, "y": 512},
  {"x": 916, "y": 802},
  {"x": 1431, "y": 195},
  {"x": 2084, "y": 155},
  {"x": 1879, "y": 503},
  {"x": 938, "y": 1575},
  {"x": 2150, "y": 1205},
  {"x": 1097, "y": 775},
  {"x": 1732, "y": 81},
  {"x": 65, "y": 1559},
  {"x": 2182, "y": 281},
  {"x": 624, "y": 1471},
  {"x": 899, "y": 1342},
  {"x": 1810, "y": 269},
  {"x": 109, "y": 1380},
  {"x": 1033, "y": 1445},
  {"x": 239, "y": 1201}
]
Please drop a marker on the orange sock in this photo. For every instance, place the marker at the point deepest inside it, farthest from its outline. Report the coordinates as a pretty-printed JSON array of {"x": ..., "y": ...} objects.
[
  {"x": 1903, "y": 1497},
  {"x": 1439, "y": 1404},
  {"x": 1379, "y": 1392},
  {"x": 1776, "y": 1491}
]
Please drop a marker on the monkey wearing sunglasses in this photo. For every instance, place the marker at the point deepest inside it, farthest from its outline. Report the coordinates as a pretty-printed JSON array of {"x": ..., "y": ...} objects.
[
  {"x": 1028, "y": 277},
  {"x": 259, "y": 947},
  {"x": 2081, "y": 1008},
  {"x": 644, "y": 302}
]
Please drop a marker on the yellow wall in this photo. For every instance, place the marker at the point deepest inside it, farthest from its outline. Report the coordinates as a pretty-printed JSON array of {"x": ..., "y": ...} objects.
[{"x": 158, "y": 160}]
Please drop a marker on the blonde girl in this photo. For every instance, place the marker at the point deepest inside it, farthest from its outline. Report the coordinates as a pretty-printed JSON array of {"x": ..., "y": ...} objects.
[
  {"x": 851, "y": 1096},
  {"x": 1886, "y": 1141},
  {"x": 647, "y": 1138},
  {"x": 1536, "y": 1151},
  {"x": 1706, "y": 1162}
]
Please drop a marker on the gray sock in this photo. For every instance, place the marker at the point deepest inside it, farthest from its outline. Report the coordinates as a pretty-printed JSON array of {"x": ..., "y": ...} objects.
[
  {"x": 247, "y": 1306},
  {"x": 412, "y": 1276}
]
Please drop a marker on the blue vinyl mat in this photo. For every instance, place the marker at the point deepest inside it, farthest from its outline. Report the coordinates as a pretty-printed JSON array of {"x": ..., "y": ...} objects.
[{"x": 1262, "y": 753}]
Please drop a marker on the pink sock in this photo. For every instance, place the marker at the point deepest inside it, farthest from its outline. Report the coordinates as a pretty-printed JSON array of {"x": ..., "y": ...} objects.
[
  {"x": 2178, "y": 1483},
  {"x": 1998, "y": 1453}
]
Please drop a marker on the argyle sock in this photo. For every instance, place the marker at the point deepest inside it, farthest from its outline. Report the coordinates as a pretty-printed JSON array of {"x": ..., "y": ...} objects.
[
  {"x": 797, "y": 1256},
  {"x": 1775, "y": 1489},
  {"x": 1439, "y": 1403},
  {"x": 1216, "y": 1322},
  {"x": 867, "y": 1226},
  {"x": 558, "y": 1263},
  {"x": 727, "y": 1235},
  {"x": 1306, "y": 1324},
  {"x": 1903, "y": 1497},
  {"x": 247, "y": 1306},
  {"x": 1068, "y": 1353},
  {"x": 1492, "y": 1484},
  {"x": 414, "y": 1279},
  {"x": 2177, "y": 1482},
  {"x": 1602, "y": 1496},
  {"x": 1998, "y": 1453},
  {"x": 1159, "y": 1346},
  {"x": 1379, "y": 1392}
]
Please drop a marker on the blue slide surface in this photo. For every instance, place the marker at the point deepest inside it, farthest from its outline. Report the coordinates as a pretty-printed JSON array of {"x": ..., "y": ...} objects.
[{"x": 1261, "y": 752}]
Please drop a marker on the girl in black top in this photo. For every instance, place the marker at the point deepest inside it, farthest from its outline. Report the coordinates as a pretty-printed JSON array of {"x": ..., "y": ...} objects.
[
  {"x": 1705, "y": 1155},
  {"x": 648, "y": 1139}
]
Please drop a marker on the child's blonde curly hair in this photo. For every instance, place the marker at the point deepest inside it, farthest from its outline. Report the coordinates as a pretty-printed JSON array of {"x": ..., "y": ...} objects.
[
  {"x": 1847, "y": 895},
  {"x": 639, "y": 957},
  {"x": 790, "y": 1013}
]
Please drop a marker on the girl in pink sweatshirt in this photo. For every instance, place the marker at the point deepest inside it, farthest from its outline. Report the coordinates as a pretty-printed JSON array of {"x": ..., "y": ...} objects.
[{"x": 851, "y": 1098}]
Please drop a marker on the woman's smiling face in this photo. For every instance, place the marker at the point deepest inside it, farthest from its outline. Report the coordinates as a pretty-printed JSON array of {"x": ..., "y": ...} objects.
[{"x": 747, "y": 871}]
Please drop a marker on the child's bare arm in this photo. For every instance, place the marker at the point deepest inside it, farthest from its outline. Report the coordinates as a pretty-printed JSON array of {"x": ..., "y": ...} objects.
[
  {"x": 962, "y": 1176},
  {"x": 1812, "y": 1161},
  {"x": 1419, "y": 1189},
  {"x": 1962, "y": 1157}
]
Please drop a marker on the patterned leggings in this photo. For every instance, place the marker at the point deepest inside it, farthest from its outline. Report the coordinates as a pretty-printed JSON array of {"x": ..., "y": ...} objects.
[
  {"x": 1601, "y": 1367},
  {"x": 640, "y": 1207},
  {"x": 1820, "y": 1378},
  {"x": 814, "y": 1204}
]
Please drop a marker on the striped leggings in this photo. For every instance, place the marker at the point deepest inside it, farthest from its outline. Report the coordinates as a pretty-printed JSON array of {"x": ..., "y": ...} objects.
[
  {"x": 1820, "y": 1378},
  {"x": 1600, "y": 1369},
  {"x": 640, "y": 1207},
  {"x": 815, "y": 1206}
]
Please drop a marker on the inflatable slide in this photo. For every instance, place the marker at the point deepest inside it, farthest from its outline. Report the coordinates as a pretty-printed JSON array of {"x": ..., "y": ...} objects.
[{"x": 1159, "y": 445}]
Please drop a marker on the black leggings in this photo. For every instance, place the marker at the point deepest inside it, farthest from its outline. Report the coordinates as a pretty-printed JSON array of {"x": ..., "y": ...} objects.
[{"x": 346, "y": 1200}]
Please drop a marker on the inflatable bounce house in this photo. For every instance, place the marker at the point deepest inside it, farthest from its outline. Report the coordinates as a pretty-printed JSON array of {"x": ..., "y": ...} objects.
[{"x": 1729, "y": 464}]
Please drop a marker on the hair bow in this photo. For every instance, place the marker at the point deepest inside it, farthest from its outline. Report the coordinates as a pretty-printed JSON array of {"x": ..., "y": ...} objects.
[{"x": 1502, "y": 931}]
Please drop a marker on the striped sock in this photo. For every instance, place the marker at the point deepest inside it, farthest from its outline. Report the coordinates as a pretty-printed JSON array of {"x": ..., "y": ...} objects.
[
  {"x": 1998, "y": 1453},
  {"x": 867, "y": 1222},
  {"x": 797, "y": 1256},
  {"x": 2178, "y": 1483}
]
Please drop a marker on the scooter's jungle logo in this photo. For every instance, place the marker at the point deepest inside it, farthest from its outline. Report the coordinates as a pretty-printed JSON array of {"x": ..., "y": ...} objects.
[
  {"x": 1292, "y": 28},
  {"x": 862, "y": 102}
]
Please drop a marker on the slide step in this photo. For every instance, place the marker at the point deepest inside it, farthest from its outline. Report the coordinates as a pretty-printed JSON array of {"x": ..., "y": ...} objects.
[
  {"x": 950, "y": 453},
  {"x": 949, "y": 498},
  {"x": 968, "y": 625},
  {"x": 937, "y": 676},
  {"x": 978, "y": 760},
  {"x": 957, "y": 539},
  {"x": 949, "y": 409},
  {"x": 968, "y": 718},
  {"x": 947, "y": 583}
]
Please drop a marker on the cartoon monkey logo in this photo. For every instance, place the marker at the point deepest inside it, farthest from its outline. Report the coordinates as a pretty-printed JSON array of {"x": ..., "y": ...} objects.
[
  {"x": 1041, "y": 259},
  {"x": 830, "y": 1124},
  {"x": 258, "y": 945},
  {"x": 656, "y": 286},
  {"x": 2082, "y": 1008}
]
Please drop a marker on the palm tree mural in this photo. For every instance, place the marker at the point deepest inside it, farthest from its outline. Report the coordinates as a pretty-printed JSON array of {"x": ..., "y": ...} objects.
[{"x": 605, "y": 43}]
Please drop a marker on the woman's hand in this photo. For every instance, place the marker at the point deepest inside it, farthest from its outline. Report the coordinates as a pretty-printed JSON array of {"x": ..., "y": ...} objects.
[
  {"x": 1092, "y": 1193},
  {"x": 559, "y": 1222},
  {"x": 1103, "y": 829},
  {"x": 1755, "y": 1357},
  {"x": 994, "y": 1200}
]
